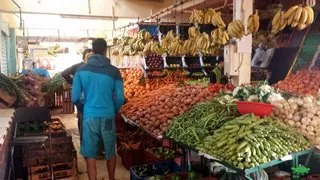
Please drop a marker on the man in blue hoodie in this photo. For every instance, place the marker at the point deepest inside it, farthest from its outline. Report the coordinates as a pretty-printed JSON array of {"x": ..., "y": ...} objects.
[{"x": 98, "y": 87}]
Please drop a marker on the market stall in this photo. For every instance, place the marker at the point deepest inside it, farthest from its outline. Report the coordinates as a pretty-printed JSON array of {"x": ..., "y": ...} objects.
[
  {"x": 217, "y": 125},
  {"x": 175, "y": 124}
]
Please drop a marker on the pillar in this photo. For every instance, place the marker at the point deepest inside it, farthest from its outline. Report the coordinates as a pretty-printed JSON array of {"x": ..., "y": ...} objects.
[{"x": 241, "y": 50}]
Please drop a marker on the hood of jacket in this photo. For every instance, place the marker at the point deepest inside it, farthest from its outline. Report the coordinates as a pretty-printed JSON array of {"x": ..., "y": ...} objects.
[{"x": 98, "y": 60}]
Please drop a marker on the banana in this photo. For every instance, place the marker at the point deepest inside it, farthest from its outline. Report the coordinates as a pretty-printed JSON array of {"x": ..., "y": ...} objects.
[
  {"x": 310, "y": 15},
  {"x": 303, "y": 17},
  {"x": 276, "y": 18},
  {"x": 256, "y": 21},
  {"x": 283, "y": 22},
  {"x": 294, "y": 24},
  {"x": 298, "y": 13},
  {"x": 301, "y": 26},
  {"x": 291, "y": 19},
  {"x": 250, "y": 24},
  {"x": 235, "y": 29},
  {"x": 291, "y": 11}
]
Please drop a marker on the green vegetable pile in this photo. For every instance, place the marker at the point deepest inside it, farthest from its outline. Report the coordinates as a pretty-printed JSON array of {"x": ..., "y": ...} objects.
[
  {"x": 200, "y": 121},
  {"x": 55, "y": 84},
  {"x": 248, "y": 141},
  {"x": 163, "y": 153}
]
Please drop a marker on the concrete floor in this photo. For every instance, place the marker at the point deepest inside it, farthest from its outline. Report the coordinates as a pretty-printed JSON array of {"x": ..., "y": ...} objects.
[{"x": 70, "y": 122}]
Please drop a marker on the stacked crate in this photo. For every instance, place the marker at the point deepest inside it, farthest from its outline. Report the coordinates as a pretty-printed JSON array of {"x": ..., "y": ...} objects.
[
  {"x": 68, "y": 107},
  {"x": 36, "y": 156}
]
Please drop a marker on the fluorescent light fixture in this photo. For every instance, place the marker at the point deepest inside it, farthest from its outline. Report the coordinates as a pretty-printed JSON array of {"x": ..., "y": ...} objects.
[{"x": 70, "y": 16}]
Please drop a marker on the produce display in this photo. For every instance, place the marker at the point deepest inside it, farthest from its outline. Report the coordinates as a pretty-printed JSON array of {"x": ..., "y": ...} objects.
[
  {"x": 135, "y": 84},
  {"x": 303, "y": 82},
  {"x": 261, "y": 93},
  {"x": 302, "y": 114},
  {"x": 163, "y": 153},
  {"x": 153, "y": 172},
  {"x": 200, "y": 121},
  {"x": 133, "y": 140},
  {"x": 22, "y": 90},
  {"x": 248, "y": 141},
  {"x": 154, "y": 61},
  {"x": 217, "y": 88},
  {"x": 155, "y": 110},
  {"x": 55, "y": 84}
]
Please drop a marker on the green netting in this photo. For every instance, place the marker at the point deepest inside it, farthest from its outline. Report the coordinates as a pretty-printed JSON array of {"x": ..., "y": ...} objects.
[{"x": 307, "y": 52}]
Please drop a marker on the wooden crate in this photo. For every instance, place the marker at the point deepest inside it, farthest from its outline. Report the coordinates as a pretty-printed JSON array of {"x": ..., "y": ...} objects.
[
  {"x": 68, "y": 107},
  {"x": 67, "y": 170}
]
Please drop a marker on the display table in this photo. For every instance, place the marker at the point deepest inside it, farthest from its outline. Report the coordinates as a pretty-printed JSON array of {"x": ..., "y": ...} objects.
[{"x": 6, "y": 129}]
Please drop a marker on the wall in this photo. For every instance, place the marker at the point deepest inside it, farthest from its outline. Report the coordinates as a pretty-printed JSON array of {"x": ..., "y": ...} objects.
[{"x": 8, "y": 20}]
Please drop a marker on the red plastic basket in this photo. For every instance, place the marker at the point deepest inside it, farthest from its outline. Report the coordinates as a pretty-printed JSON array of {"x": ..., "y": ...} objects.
[{"x": 258, "y": 109}]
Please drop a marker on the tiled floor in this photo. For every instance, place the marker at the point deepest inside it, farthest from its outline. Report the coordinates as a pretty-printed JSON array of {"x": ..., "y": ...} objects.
[{"x": 70, "y": 123}]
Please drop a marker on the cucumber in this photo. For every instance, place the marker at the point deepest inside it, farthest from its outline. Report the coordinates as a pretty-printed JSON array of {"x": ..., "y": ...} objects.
[
  {"x": 252, "y": 165},
  {"x": 246, "y": 165},
  {"x": 248, "y": 160},
  {"x": 240, "y": 166},
  {"x": 242, "y": 145},
  {"x": 253, "y": 151},
  {"x": 231, "y": 127},
  {"x": 241, "y": 135}
]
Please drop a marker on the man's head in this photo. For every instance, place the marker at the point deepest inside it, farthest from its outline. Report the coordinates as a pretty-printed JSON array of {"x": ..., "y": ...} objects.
[
  {"x": 99, "y": 46},
  {"x": 220, "y": 62},
  {"x": 85, "y": 53}
]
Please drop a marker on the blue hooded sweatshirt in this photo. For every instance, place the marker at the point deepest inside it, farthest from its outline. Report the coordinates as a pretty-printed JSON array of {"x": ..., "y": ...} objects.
[{"x": 99, "y": 86}]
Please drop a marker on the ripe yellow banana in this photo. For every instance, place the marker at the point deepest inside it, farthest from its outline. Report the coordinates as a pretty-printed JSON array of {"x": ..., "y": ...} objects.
[
  {"x": 303, "y": 17},
  {"x": 291, "y": 19},
  {"x": 256, "y": 21},
  {"x": 298, "y": 14},
  {"x": 310, "y": 15},
  {"x": 301, "y": 26},
  {"x": 283, "y": 22},
  {"x": 291, "y": 11}
]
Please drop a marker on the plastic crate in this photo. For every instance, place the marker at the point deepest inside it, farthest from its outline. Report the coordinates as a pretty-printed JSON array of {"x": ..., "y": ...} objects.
[
  {"x": 158, "y": 169},
  {"x": 150, "y": 158},
  {"x": 131, "y": 158}
]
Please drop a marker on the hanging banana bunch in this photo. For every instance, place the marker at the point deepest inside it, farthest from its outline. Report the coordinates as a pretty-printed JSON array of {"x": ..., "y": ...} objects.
[
  {"x": 156, "y": 48},
  {"x": 216, "y": 18},
  {"x": 203, "y": 43},
  {"x": 193, "y": 32},
  {"x": 300, "y": 16},
  {"x": 236, "y": 29},
  {"x": 167, "y": 40},
  {"x": 214, "y": 51},
  {"x": 253, "y": 23},
  {"x": 219, "y": 37},
  {"x": 190, "y": 47},
  {"x": 279, "y": 22},
  {"x": 176, "y": 48}
]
